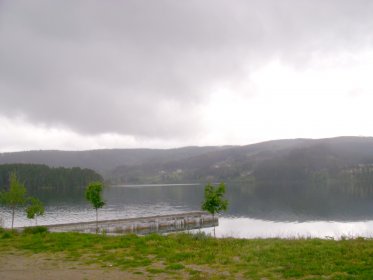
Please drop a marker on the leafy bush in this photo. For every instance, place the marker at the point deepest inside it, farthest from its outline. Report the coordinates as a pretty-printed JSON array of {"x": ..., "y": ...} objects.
[
  {"x": 200, "y": 235},
  {"x": 35, "y": 230},
  {"x": 6, "y": 234}
]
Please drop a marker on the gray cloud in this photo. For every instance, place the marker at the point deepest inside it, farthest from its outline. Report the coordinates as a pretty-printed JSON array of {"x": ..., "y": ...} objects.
[{"x": 145, "y": 68}]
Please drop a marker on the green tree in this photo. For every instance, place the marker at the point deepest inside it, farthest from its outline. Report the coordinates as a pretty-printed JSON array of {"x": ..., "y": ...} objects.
[
  {"x": 214, "y": 202},
  {"x": 93, "y": 195},
  {"x": 15, "y": 196},
  {"x": 34, "y": 209}
]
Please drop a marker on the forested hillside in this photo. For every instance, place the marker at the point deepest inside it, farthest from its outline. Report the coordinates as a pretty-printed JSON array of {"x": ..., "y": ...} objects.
[
  {"x": 288, "y": 166},
  {"x": 103, "y": 160},
  {"x": 284, "y": 166},
  {"x": 41, "y": 177}
]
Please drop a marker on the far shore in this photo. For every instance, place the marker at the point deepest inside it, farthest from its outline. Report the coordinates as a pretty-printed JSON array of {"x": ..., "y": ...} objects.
[{"x": 152, "y": 185}]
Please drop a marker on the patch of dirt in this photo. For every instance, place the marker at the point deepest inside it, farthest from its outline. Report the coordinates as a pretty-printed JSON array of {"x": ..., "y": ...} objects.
[
  {"x": 20, "y": 265},
  {"x": 17, "y": 266}
]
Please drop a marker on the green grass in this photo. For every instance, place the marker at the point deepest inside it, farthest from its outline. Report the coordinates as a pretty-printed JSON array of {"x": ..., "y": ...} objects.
[{"x": 197, "y": 256}]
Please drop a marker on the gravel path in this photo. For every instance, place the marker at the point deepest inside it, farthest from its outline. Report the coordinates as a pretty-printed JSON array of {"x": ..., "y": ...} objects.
[{"x": 42, "y": 267}]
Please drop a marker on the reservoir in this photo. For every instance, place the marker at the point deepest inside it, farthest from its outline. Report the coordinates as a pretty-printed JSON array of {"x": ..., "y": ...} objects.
[{"x": 250, "y": 214}]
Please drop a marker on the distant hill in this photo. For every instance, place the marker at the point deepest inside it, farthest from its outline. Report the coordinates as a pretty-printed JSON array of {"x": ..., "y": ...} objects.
[
  {"x": 103, "y": 160},
  {"x": 343, "y": 163},
  {"x": 265, "y": 160}
]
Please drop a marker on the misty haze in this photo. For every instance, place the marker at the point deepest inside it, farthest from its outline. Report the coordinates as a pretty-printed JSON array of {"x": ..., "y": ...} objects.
[
  {"x": 324, "y": 185},
  {"x": 155, "y": 100}
]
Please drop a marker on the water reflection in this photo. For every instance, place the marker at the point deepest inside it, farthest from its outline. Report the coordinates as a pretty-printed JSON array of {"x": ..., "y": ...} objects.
[
  {"x": 254, "y": 228},
  {"x": 298, "y": 206},
  {"x": 252, "y": 213},
  {"x": 274, "y": 206}
]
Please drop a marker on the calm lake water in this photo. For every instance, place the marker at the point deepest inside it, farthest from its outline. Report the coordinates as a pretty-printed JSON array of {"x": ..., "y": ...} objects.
[{"x": 250, "y": 215}]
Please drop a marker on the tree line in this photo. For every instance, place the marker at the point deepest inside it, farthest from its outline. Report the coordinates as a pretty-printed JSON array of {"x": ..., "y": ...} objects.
[{"x": 42, "y": 177}]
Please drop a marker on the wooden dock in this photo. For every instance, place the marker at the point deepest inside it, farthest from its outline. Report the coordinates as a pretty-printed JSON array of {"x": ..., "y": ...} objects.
[{"x": 142, "y": 225}]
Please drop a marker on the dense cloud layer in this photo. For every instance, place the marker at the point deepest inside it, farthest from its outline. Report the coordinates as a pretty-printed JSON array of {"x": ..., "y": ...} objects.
[{"x": 148, "y": 68}]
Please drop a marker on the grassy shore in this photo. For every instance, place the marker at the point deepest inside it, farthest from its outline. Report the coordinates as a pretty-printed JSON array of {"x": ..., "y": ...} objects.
[{"x": 186, "y": 256}]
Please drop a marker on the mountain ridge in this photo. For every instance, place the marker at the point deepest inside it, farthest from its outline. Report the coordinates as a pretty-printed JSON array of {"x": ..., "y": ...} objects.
[{"x": 284, "y": 159}]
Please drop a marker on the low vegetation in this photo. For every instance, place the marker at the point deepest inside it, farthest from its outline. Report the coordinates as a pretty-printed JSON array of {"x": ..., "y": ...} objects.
[
  {"x": 187, "y": 256},
  {"x": 34, "y": 209}
]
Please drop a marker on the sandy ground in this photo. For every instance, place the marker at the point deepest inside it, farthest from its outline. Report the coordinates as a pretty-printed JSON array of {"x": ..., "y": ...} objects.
[{"x": 15, "y": 266}]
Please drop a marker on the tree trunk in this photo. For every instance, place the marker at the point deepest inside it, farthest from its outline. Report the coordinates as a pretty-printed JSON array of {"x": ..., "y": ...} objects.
[
  {"x": 213, "y": 220},
  {"x": 13, "y": 209},
  {"x": 96, "y": 221}
]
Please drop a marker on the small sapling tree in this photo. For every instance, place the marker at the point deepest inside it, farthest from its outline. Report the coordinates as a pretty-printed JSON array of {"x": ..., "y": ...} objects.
[
  {"x": 34, "y": 209},
  {"x": 15, "y": 196},
  {"x": 214, "y": 202},
  {"x": 93, "y": 195}
]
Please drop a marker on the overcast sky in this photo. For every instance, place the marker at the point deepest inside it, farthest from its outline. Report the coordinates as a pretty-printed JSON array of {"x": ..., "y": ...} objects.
[{"x": 123, "y": 74}]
